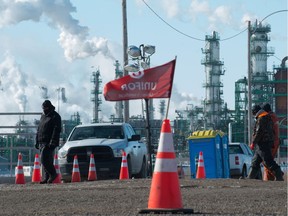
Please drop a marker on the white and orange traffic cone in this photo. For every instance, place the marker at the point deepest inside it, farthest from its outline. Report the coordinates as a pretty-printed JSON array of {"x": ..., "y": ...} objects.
[
  {"x": 165, "y": 194},
  {"x": 92, "y": 175},
  {"x": 56, "y": 165},
  {"x": 76, "y": 172},
  {"x": 124, "y": 172},
  {"x": 36, "y": 176},
  {"x": 20, "y": 179},
  {"x": 201, "y": 168}
]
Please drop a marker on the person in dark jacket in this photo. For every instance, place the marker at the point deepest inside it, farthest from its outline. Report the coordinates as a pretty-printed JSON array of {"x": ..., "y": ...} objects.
[
  {"x": 266, "y": 107},
  {"x": 47, "y": 139},
  {"x": 263, "y": 138}
]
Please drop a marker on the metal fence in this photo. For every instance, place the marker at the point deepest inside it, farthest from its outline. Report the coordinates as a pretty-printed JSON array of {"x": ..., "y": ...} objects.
[{"x": 11, "y": 144}]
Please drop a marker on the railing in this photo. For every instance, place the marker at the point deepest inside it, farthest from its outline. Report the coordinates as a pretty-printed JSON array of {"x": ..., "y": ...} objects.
[{"x": 28, "y": 152}]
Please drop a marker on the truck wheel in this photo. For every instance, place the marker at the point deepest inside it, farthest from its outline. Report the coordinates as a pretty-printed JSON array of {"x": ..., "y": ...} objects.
[
  {"x": 143, "y": 171},
  {"x": 244, "y": 172},
  {"x": 129, "y": 167}
]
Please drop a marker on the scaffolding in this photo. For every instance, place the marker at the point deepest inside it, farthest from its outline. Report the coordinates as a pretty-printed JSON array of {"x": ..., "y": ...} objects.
[{"x": 240, "y": 118}]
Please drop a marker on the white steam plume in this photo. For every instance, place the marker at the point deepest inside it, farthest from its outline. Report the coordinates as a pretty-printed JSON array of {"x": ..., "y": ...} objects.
[
  {"x": 73, "y": 37},
  {"x": 13, "y": 82}
]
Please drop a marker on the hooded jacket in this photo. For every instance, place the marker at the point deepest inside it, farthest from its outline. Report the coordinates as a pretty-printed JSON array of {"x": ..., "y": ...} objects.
[{"x": 49, "y": 128}]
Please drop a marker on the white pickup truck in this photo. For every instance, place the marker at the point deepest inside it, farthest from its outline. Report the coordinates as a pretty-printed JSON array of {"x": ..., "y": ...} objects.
[
  {"x": 240, "y": 157},
  {"x": 106, "y": 141}
]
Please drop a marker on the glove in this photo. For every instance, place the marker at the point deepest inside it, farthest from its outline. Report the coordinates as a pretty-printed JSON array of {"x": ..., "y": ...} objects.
[
  {"x": 252, "y": 145},
  {"x": 36, "y": 145}
]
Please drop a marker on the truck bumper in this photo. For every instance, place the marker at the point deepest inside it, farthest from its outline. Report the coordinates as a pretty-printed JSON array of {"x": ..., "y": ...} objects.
[{"x": 104, "y": 170}]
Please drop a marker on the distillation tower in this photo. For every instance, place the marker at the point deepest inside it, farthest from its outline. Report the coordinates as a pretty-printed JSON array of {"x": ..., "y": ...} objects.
[
  {"x": 213, "y": 87},
  {"x": 261, "y": 85},
  {"x": 119, "y": 104},
  {"x": 95, "y": 95},
  {"x": 162, "y": 109}
]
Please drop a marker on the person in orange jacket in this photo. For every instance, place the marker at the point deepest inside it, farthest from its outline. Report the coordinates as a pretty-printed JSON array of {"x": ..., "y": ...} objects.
[
  {"x": 262, "y": 142},
  {"x": 267, "y": 176}
]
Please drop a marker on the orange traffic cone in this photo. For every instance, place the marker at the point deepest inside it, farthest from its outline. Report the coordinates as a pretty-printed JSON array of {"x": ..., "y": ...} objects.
[
  {"x": 75, "y": 172},
  {"x": 36, "y": 176},
  {"x": 124, "y": 173},
  {"x": 20, "y": 179},
  {"x": 201, "y": 169},
  {"x": 165, "y": 195},
  {"x": 56, "y": 165},
  {"x": 92, "y": 176}
]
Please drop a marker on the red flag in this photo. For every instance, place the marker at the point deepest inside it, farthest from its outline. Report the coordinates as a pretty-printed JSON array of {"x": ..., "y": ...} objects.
[{"x": 151, "y": 83}]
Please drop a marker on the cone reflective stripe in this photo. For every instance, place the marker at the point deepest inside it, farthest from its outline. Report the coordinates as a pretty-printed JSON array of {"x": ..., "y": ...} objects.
[
  {"x": 92, "y": 176},
  {"x": 124, "y": 172},
  {"x": 75, "y": 172},
  {"x": 20, "y": 179},
  {"x": 56, "y": 165},
  {"x": 36, "y": 176},
  {"x": 201, "y": 168}
]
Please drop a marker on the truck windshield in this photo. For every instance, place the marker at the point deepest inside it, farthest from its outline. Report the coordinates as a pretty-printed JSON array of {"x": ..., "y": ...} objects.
[{"x": 94, "y": 132}]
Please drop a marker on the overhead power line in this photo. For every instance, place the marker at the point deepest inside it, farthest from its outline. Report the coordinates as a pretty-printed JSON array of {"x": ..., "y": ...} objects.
[
  {"x": 194, "y": 38},
  {"x": 189, "y": 36},
  {"x": 198, "y": 39}
]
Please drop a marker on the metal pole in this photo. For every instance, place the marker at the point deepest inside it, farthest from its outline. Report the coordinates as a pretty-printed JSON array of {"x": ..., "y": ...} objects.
[
  {"x": 249, "y": 87},
  {"x": 125, "y": 55},
  {"x": 148, "y": 137}
]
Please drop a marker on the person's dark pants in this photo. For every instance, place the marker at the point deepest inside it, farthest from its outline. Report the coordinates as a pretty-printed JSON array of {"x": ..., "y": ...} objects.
[
  {"x": 47, "y": 159},
  {"x": 263, "y": 153}
]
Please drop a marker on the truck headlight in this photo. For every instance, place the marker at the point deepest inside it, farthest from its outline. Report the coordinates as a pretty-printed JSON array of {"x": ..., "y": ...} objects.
[
  {"x": 62, "y": 153},
  {"x": 117, "y": 152}
]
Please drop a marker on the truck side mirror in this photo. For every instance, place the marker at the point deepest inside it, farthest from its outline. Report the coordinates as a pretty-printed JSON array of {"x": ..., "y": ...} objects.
[{"x": 135, "y": 137}]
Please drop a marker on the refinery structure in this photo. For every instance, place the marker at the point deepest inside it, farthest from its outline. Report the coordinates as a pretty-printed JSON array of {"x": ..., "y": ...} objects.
[{"x": 212, "y": 114}]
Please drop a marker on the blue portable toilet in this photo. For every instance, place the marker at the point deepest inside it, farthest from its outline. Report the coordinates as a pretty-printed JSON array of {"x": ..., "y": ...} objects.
[
  {"x": 209, "y": 142},
  {"x": 225, "y": 155}
]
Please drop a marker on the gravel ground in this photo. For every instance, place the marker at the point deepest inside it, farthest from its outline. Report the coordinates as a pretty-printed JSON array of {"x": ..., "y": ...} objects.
[{"x": 128, "y": 197}]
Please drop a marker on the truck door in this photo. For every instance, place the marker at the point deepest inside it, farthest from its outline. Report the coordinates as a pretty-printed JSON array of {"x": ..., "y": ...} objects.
[{"x": 136, "y": 157}]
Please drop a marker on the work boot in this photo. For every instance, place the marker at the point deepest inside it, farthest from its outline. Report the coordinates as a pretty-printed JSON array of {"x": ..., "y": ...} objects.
[
  {"x": 278, "y": 174},
  {"x": 52, "y": 178},
  {"x": 44, "y": 181},
  {"x": 253, "y": 174}
]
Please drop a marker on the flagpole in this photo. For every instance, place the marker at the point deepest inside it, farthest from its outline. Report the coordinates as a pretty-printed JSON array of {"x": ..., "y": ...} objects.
[
  {"x": 170, "y": 93},
  {"x": 167, "y": 108}
]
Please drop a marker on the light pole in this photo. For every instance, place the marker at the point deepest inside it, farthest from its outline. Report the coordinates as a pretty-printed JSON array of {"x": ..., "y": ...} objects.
[{"x": 141, "y": 57}]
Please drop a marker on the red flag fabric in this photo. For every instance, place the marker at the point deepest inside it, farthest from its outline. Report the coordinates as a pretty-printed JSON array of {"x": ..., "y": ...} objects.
[{"x": 151, "y": 83}]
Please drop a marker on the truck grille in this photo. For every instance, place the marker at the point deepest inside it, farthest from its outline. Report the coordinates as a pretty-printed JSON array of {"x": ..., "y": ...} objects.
[{"x": 101, "y": 153}]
